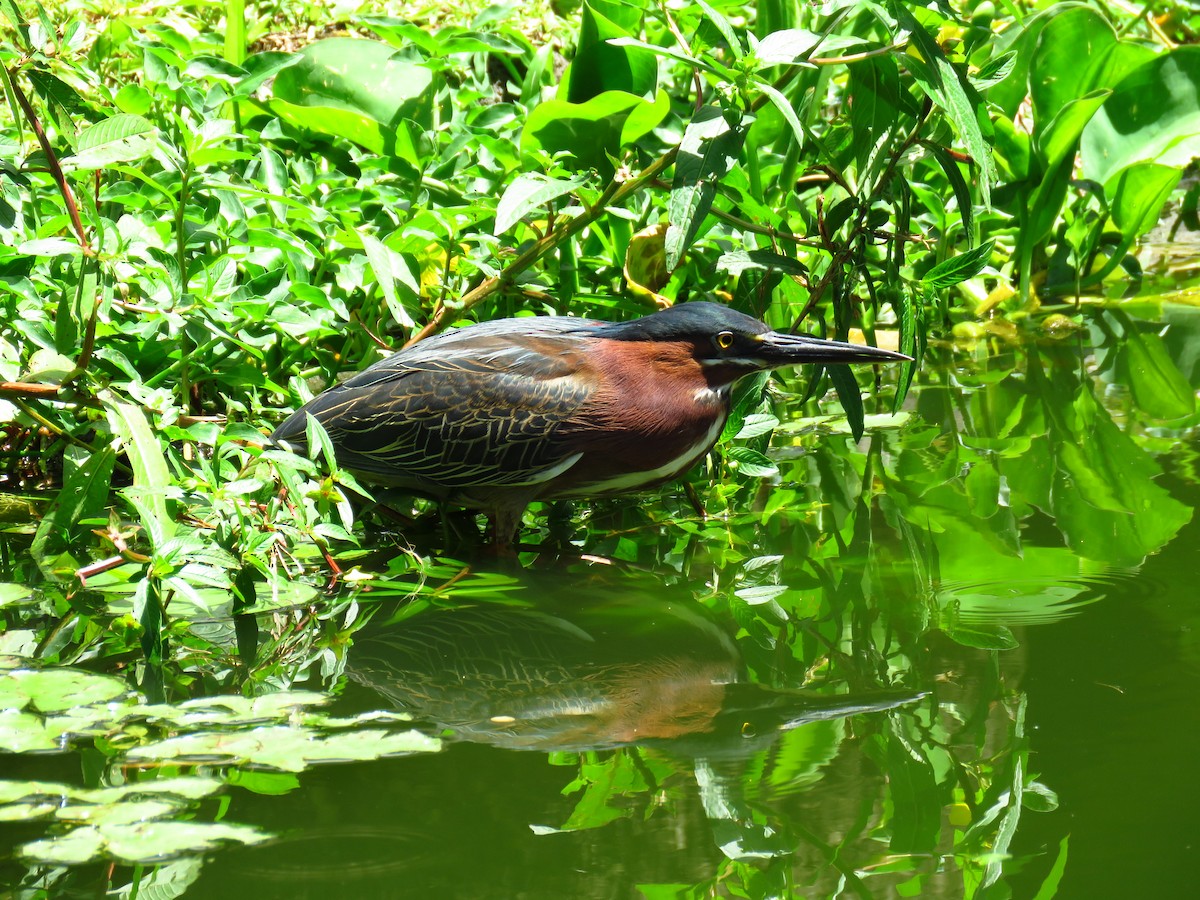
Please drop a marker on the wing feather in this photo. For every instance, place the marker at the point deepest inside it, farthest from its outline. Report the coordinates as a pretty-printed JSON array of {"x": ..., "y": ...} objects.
[{"x": 479, "y": 407}]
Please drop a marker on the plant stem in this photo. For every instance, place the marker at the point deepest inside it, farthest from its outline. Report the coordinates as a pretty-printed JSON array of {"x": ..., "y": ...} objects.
[{"x": 52, "y": 161}]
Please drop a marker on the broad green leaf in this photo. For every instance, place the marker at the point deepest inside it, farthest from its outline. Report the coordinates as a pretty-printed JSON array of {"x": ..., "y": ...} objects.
[
  {"x": 150, "y": 476},
  {"x": 83, "y": 496},
  {"x": 792, "y": 45},
  {"x": 1069, "y": 44},
  {"x": 591, "y": 132},
  {"x": 751, "y": 462},
  {"x": 259, "y": 68},
  {"x": 732, "y": 39},
  {"x": 994, "y": 71},
  {"x": 148, "y": 841},
  {"x": 1060, "y": 137},
  {"x": 14, "y": 594},
  {"x": 235, "y": 31},
  {"x": 756, "y": 425},
  {"x": 738, "y": 261},
  {"x": 983, "y": 489},
  {"x": 528, "y": 192},
  {"x": 386, "y": 264},
  {"x": 354, "y": 89},
  {"x": 709, "y": 149},
  {"x": 850, "y": 396},
  {"x": 1159, "y": 389},
  {"x": 916, "y": 807},
  {"x": 1139, "y": 195},
  {"x": 140, "y": 842},
  {"x": 600, "y": 66},
  {"x": 962, "y": 192},
  {"x": 288, "y": 748},
  {"x": 77, "y": 846},
  {"x": 121, "y": 138},
  {"x": 959, "y": 268},
  {"x": 1046, "y": 202},
  {"x": 21, "y": 732},
  {"x": 983, "y": 637},
  {"x": 1152, "y": 116},
  {"x": 781, "y": 103},
  {"x": 703, "y": 65},
  {"x": 54, "y": 690},
  {"x": 876, "y": 101},
  {"x": 1104, "y": 496},
  {"x": 49, "y": 247}
]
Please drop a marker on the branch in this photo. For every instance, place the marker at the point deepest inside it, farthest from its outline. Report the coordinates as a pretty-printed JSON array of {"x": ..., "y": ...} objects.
[
  {"x": 615, "y": 194},
  {"x": 52, "y": 161}
]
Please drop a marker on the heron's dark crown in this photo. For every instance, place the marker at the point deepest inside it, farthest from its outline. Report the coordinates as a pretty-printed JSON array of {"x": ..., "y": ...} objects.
[{"x": 695, "y": 321}]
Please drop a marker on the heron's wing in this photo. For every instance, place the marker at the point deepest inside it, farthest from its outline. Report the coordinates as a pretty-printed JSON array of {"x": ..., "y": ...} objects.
[{"x": 480, "y": 407}]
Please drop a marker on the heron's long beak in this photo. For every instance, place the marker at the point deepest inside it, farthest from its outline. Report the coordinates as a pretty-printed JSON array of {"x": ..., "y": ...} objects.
[{"x": 778, "y": 349}]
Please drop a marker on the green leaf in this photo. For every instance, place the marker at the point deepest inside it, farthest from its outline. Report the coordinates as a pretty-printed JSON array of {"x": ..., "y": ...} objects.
[
  {"x": 21, "y": 732},
  {"x": 14, "y": 594},
  {"x": 849, "y": 396},
  {"x": 983, "y": 489},
  {"x": 940, "y": 81},
  {"x": 83, "y": 496},
  {"x": 983, "y": 637},
  {"x": 591, "y": 132},
  {"x": 1104, "y": 496},
  {"x": 528, "y": 192},
  {"x": 1060, "y": 138},
  {"x": 600, "y": 66},
  {"x": 55, "y": 690},
  {"x": 1159, "y": 389},
  {"x": 150, "y": 476},
  {"x": 785, "y": 108},
  {"x": 288, "y": 748},
  {"x": 1152, "y": 116},
  {"x": 1069, "y": 46},
  {"x": 962, "y": 193},
  {"x": 787, "y": 47},
  {"x": 1139, "y": 194},
  {"x": 385, "y": 264},
  {"x": 916, "y": 809},
  {"x": 351, "y": 88},
  {"x": 707, "y": 153},
  {"x": 756, "y": 425},
  {"x": 994, "y": 71},
  {"x": 121, "y": 138},
  {"x": 751, "y": 462},
  {"x": 318, "y": 441},
  {"x": 738, "y": 261},
  {"x": 959, "y": 268},
  {"x": 732, "y": 39}
]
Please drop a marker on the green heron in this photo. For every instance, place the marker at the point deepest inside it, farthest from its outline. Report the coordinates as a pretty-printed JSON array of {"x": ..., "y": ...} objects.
[{"x": 497, "y": 415}]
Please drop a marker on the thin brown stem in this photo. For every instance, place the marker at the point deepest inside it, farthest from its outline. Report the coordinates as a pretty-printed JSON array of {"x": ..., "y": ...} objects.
[{"x": 56, "y": 171}]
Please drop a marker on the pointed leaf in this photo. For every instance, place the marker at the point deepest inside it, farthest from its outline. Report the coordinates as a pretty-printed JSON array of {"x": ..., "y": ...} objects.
[
  {"x": 528, "y": 192},
  {"x": 707, "y": 153}
]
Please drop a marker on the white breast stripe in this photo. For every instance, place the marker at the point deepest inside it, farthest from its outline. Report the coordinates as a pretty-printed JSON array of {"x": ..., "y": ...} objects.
[{"x": 553, "y": 472}]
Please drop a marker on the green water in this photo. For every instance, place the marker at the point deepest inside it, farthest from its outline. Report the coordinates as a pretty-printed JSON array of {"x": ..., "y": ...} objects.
[{"x": 957, "y": 659}]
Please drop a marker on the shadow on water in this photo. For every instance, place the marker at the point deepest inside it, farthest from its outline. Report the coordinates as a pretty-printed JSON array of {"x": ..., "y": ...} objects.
[{"x": 951, "y": 661}]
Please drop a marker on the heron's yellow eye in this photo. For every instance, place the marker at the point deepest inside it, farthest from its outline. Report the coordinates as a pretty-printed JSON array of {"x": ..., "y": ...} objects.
[{"x": 725, "y": 340}]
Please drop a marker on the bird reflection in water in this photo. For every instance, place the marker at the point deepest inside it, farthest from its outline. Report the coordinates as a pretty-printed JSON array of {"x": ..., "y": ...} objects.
[{"x": 596, "y": 677}]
